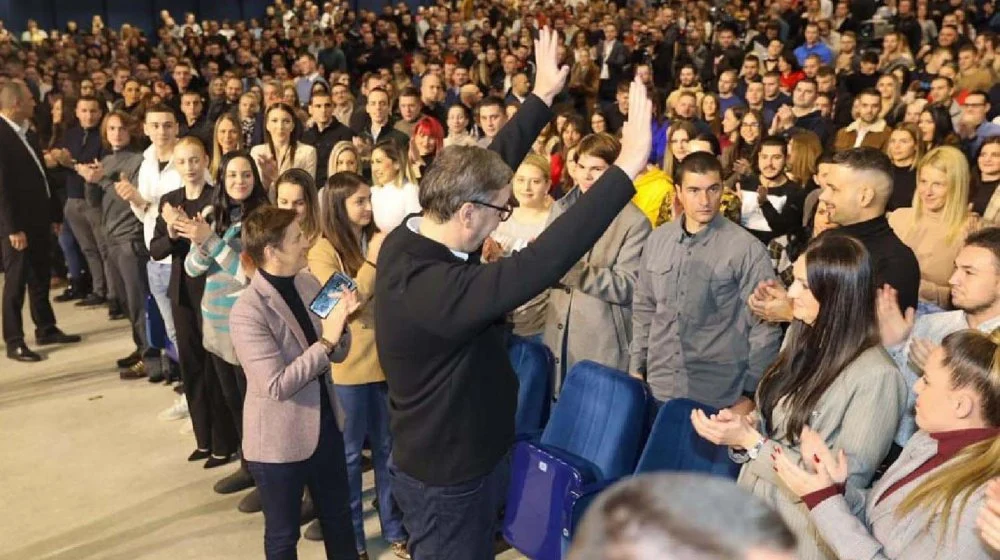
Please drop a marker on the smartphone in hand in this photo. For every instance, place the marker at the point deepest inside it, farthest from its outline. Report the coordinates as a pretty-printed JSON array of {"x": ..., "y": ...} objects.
[{"x": 329, "y": 295}]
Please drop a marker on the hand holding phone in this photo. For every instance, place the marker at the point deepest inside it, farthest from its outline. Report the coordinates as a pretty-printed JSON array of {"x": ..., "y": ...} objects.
[{"x": 330, "y": 294}]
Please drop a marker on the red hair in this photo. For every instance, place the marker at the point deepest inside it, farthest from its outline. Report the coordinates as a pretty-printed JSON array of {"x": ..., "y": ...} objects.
[{"x": 427, "y": 126}]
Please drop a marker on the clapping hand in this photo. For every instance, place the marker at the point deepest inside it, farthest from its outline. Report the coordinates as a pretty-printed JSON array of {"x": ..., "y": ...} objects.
[
  {"x": 549, "y": 76},
  {"x": 769, "y": 302},
  {"x": 91, "y": 172},
  {"x": 725, "y": 428},
  {"x": 827, "y": 469},
  {"x": 637, "y": 135},
  {"x": 196, "y": 229},
  {"x": 920, "y": 350},
  {"x": 894, "y": 326},
  {"x": 492, "y": 251},
  {"x": 128, "y": 192}
]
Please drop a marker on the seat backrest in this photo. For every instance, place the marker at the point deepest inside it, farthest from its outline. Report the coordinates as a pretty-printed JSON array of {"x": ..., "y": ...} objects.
[
  {"x": 599, "y": 417},
  {"x": 534, "y": 365},
  {"x": 674, "y": 445}
]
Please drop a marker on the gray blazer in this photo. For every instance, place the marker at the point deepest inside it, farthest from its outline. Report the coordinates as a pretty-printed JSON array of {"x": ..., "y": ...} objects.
[
  {"x": 281, "y": 413},
  {"x": 858, "y": 413},
  {"x": 589, "y": 316},
  {"x": 858, "y": 526}
]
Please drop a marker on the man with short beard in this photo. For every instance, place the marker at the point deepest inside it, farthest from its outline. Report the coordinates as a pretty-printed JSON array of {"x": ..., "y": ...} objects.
[{"x": 869, "y": 129}]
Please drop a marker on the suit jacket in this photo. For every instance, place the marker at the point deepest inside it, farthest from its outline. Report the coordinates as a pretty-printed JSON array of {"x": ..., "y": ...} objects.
[
  {"x": 281, "y": 412},
  {"x": 22, "y": 187},
  {"x": 859, "y": 413},
  {"x": 861, "y": 524},
  {"x": 589, "y": 316},
  {"x": 162, "y": 246},
  {"x": 616, "y": 62}
]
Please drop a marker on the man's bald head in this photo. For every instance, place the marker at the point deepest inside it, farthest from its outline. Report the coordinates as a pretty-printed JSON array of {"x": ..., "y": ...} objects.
[{"x": 16, "y": 101}]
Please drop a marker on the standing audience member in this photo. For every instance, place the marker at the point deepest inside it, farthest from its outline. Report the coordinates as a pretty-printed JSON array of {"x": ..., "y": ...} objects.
[
  {"x": 988, "y": 178},
  {"x": 344, "y": 157},
  {"x": 293, "y": 418},
  {"x": 349, "y": 244},
  {"x": 295, "y": 190},
  {"x": 904, "y": 150},
  {"x": 772, "y": 203},
  {"x": 394, "y": 194},
  {"x": 283, "y": 148},
  {"x": 925, "y": 505},
  {"x": 868, "y": 129},
  {"x": 938, "y": 221},
  {"x": 227, "y": 139},
  {"x": 324, "y": 133},
  {"x": 25, "y": 236},
  {"x": 832, "y": 383},
  {"x": 692, "y": 335},
  {"x": 589, "y": 315},
  {"x": 215, "y": 255},
  {"x": 213, "y": 425},
  {"x": 530, "y": 186}
]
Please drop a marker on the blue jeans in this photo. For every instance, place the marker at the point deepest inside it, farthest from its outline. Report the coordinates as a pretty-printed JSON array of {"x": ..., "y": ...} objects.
[
  {"x": 452, "y": 522},
  {"x": 71, "y": 251},
  {"x": 159, "y": 283},
  {"x": 281, "y": 485},
  {"x": 366, "y": 408}
]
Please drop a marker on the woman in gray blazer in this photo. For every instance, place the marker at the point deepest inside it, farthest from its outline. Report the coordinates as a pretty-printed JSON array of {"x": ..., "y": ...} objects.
[
  {"x": 832, "y": 375},
  {"x": 292, "y": 420},
  {"x": 925, "y": 506}
]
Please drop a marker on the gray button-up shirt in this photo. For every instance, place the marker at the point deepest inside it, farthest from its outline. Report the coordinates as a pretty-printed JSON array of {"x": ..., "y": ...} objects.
[{"x": 692, "y": 332}]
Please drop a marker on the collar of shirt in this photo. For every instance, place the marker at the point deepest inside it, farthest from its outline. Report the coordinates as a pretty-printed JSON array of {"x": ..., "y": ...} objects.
[
  {"x": 705, "y": 234},
  {"x": 413, "y": 224},
  {"x": 867, "y": 228},
  {"x": 20, "y": 129},
  {"x": 950, "y": 443},
  {"x": 857, "y": 126}
]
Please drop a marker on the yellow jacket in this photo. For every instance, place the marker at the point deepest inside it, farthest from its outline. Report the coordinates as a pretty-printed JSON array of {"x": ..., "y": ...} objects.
[
  {"x": 361, "y": 365},
  {"x": 652, "y": 189}
]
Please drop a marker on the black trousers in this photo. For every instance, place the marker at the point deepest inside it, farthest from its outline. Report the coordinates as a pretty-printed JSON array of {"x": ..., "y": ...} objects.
[
  {"x": 210, "y": 417},
  {"x": 29, "y": 269},
  {"x": 233, "y": 384}
]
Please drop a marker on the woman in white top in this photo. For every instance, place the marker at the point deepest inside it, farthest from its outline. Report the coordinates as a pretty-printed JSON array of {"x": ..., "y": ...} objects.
[
  {"x": 531, "y": 183},
  {"x": 394, "y": 195},
  {"x": 282, "y": 149}
]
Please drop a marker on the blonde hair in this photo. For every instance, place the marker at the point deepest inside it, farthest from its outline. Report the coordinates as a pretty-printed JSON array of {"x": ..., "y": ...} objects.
[
  {"x": 339, "y": 148},
  {"x": 955, "y": 166},
  {"x": 217, "y": 154},
  {"x": 540, "y": 162},
  {"x": 974, "y": 360}
]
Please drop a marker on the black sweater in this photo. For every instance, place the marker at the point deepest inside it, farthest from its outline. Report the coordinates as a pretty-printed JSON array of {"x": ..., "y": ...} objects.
[
  {"x": 894, "y": 263},
  {"x": 440, "y": 325}
]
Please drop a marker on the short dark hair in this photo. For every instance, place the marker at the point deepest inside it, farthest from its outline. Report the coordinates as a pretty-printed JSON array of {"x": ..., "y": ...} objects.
[
  {"x": 160, "y": 108},
  {"x": 775, "y": 141},
  {"x": 949, "y": 81},
  {"x": 699, "y": 163},
  {"x": 90, "y": 99},
  {"x": 868, "y": 160},
  {"x": 490, "y": 101},
  {"x": 988, "y": 238},
  {"x": 600, "y": 145},
  {"x": 265, "y": 227},
  {"x": 410, "y": 91}
]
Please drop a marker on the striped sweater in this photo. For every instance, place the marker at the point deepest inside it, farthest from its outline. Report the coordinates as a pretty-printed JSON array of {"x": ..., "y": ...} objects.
[{"x": 219, "y": 260}]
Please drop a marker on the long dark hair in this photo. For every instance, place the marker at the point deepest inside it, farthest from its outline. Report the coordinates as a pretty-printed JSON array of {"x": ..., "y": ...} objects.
[
  {"x": 335, "y": 224},
  {"x": 293, "y": 141},
  {"x": 223, "y": 203},
  {"x": 748, "y": 150},
  {"x": 944, "y": 130},
  {"x": 840, "y": 277}
]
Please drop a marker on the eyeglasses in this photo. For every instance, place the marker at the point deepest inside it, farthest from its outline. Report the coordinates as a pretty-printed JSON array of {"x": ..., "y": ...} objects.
[{"x": 505, "y": 211}]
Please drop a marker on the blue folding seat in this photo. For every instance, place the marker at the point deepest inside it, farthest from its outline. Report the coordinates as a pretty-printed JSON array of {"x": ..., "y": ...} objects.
[
  {"x": 534, "y": 365},
  {"x": 594, "y": 434}
]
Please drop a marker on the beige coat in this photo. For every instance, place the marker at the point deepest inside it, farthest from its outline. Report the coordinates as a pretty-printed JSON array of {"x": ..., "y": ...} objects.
[{"x": 590, "y": 313}]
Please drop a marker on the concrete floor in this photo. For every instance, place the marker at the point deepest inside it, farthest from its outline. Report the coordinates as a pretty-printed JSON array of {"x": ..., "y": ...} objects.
[{"x": 89, "y": 472}]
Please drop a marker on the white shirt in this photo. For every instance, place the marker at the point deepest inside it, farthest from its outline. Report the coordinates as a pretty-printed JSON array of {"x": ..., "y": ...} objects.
[
  {"x": 751, "y": 216},
  {"x": 392, "y": 204},
  {"x": 22, "y": 134},
  {"x": 605, "y": 71}
]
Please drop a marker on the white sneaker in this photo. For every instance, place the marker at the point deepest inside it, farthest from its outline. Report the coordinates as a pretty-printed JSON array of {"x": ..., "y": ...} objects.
[{"x": 178, "y": 411}]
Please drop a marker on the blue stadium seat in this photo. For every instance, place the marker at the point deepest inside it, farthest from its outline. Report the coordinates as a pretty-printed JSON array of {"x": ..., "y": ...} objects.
[
  {"x": 534, "y": 365},
  {"x": 594, "y": 434},
  {"x": 673, "y": 445}
]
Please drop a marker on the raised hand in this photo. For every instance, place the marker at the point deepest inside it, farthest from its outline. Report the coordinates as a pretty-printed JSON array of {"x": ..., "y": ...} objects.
[
  {"x": 549, "y": 76},
  {"x": 893, "y": 325},
  {"x": 637, "y": 134}
]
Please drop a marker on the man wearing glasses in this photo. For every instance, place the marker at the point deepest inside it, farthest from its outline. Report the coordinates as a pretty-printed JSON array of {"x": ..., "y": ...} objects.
[
  {"x": 589, "y": 316},
  {"x": 440, "y": 318},
  {"x": 973, "y": 126}
]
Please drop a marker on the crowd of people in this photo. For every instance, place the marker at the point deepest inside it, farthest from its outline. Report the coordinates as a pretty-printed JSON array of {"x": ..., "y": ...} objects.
[{"x": 784, "y": 210}]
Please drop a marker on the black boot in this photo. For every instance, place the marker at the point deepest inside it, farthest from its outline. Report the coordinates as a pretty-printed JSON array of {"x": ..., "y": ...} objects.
[
  {"x": 74, "y": 291},
  {"x": 116, "y": 311}
]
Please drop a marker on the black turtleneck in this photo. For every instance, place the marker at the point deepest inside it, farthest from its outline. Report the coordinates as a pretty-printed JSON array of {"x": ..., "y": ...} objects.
[
  {"x": 982, "y": 194},
  {"x": 904, "y": 184},
  {"x": 894, "y": 263}
]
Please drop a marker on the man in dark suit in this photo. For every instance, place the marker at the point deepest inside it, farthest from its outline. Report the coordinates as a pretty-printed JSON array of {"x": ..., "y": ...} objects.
[
  {"x": 611, "y": 59},
  {"x": 25, "y": 234}
]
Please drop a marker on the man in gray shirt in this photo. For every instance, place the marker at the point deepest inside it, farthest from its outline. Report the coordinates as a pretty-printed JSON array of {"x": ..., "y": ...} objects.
[{"x": 692, "y": 333}]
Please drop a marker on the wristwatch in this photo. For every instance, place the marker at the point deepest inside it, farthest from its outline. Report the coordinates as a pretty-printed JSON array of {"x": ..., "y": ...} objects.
[{"x": 746, "y": 455}]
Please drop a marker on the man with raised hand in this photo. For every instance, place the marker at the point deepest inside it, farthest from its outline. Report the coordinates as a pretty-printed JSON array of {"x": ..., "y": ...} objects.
[{"x": 439, "y": 323}]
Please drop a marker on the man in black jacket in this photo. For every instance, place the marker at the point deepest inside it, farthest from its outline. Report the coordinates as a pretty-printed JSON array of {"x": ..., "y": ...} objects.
[
  {"x": 439, "y": 323},
  {"x": 27, "y": 212}
]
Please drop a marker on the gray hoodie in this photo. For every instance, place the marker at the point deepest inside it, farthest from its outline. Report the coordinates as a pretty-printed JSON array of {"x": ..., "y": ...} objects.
[{"x": 117, "y": 217}]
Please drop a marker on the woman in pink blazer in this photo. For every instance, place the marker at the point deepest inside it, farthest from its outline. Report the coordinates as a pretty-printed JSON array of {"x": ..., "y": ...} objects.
[{"x": 292, "y": 420}]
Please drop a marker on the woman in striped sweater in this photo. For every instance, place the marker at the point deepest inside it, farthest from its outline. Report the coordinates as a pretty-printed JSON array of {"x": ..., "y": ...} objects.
[{"x": 215, "y": 253}]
